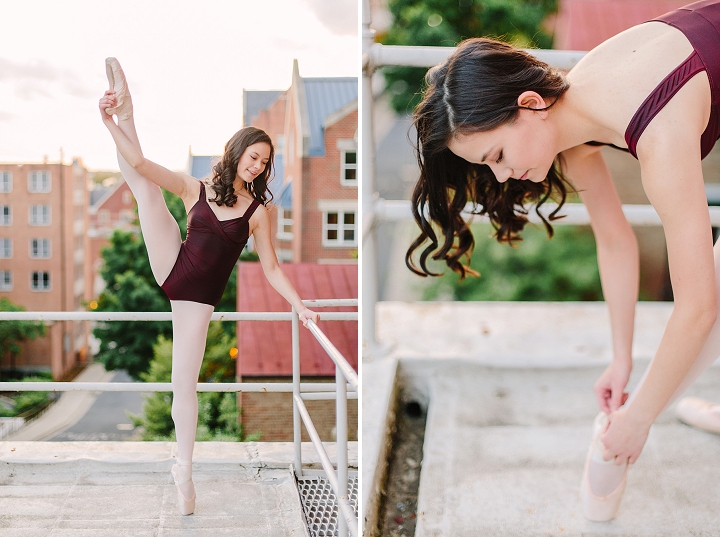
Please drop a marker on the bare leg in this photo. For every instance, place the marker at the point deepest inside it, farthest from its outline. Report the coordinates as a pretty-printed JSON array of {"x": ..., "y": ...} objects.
[
  {"x": 604, "y": 478},
  {"x": 190, "y": 326},
  {"x": 159, "y": 229}
]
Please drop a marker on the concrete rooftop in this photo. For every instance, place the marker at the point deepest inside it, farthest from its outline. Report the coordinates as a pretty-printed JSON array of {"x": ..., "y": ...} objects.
[
  {"x": 104, "y": 489},
  {"x": 508, "y": 392}
]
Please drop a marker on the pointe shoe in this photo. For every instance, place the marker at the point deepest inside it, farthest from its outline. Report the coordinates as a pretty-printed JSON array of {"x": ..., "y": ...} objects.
[
  {"x": 599, "y": 508},
  {"x": 118, "y": 84},
  {"x": 698, "y": 413},
  {"x": 182, "y": 473}
]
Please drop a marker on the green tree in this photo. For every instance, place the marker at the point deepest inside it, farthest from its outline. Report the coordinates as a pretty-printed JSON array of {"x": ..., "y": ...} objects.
[
  {"x": 13, "y": 333},
  {"x": 564, "y": 268},
  {"x": 447, "y": 22},
  {"x": 130, "y": 286},
  {"x": 218, "y": 415}
]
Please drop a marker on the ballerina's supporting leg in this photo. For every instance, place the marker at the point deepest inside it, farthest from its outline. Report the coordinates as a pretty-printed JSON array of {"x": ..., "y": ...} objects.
[
  {"x": 605, "y": 478},
  {"x": 190, "y": 326}
]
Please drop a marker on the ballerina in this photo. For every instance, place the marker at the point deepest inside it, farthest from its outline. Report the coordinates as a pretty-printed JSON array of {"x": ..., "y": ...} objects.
[
  {"x": 194, "y": 273},
  {"x": 500, "y": 128}
]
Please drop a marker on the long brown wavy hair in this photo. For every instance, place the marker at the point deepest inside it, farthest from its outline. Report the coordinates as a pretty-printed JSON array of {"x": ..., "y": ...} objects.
[
  {"x": 475, "y": 90},
  {"x": 225, "y": 171}
]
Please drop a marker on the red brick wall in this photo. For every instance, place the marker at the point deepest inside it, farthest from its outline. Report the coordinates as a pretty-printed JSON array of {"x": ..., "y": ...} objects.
[{"x": 271, "y": 414}]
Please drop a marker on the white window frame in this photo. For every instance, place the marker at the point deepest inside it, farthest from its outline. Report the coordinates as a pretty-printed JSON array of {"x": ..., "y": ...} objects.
[
  {"x": 40, "y": 250},
  {"x": 6, "y": 280},
  {"x": 39, "y": 181},
  {"x": 33, "y": 215},
  {"x": 340, "y": 227},
  {"x": 282, "y": 222},
  {"x": 40, "y": 274},
  {"x": 5, "y": 219},
  {"x": 344, "y": 166},
  {"x": 5, "y": 179},
  {"x": 6, "y": 248}
]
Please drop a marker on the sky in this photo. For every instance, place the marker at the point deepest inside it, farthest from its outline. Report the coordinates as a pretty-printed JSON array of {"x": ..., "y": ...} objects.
[{"x": 186, "y": 62}]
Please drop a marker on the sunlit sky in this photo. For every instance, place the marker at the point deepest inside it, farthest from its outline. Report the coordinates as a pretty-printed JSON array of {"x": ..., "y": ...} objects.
[{"x": 186, "y": 61}]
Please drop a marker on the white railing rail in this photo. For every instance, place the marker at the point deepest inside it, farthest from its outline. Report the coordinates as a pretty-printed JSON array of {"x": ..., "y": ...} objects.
[{"x": 341, "y": 391}]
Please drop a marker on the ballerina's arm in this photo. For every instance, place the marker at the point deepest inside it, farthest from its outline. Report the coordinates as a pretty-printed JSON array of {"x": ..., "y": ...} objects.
[
  {"x": 183, "y": 185},
  {"x": 271, "y": 267}
]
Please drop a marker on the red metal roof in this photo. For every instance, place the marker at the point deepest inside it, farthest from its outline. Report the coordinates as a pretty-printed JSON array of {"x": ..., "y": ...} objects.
[
  {"x": 584, "y": 24},
  {"x": 264, "y": 347}
]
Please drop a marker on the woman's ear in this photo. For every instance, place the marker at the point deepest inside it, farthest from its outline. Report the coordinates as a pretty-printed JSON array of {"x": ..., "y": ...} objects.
[{"x": 533, "y": 101}]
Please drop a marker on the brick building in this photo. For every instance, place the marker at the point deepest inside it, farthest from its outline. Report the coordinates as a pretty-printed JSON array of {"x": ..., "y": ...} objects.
[
  {"x": 43, "y": 246},
  {"x": 316, "y": 185}
]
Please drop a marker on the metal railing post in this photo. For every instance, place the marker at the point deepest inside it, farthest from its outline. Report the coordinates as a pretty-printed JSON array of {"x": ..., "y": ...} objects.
[
  {"x": 341, "y": 437},
  {"x": 297, "y": 432},
  {"x": 369, "y": 264}
]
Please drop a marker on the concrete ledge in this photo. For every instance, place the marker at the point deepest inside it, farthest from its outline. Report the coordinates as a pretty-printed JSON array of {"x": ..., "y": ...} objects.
[
  {"x": 379, "y": 395},
  {"x": 252, "y": 454}
]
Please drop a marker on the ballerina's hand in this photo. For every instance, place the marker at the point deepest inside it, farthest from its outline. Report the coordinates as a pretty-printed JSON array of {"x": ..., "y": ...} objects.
[
  {"x": 609, "y": 387},
  {"x": 624, "y": 438},
  {"x": 108, "y": 100},
  {"x": 307, "y": 314}
]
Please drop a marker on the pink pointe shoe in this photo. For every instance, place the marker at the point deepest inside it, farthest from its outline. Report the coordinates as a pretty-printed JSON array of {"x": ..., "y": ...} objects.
[
  {"x": 118, "y": 84},
  {"x": 596, "y": 507},
  {"x": 699, "y": 413},
  {"x": 182, "y": 473}
]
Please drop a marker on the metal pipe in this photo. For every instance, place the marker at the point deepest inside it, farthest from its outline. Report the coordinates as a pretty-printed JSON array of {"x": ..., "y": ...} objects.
[
  {"x": 332, "y": 302},
  {"x": 321, "y": 396},
  {"x": 575, "y": 213},
  {"x": 297, "y": 431},
  {"x": 281, "y": 387},
  {"x": 343, "y": 503},
  {"x": 340, "y": 362},
  {"x": 341, "y": 439},
  {"x": 160, "y": 316}
]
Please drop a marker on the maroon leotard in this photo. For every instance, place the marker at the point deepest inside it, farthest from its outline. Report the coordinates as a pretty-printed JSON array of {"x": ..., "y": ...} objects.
[
  {"x": 208, "y": 254},
  {"x": 700, "y": 22}
]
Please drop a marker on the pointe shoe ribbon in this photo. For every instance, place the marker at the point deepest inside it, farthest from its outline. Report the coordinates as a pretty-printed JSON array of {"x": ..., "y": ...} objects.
[
  {"x": 600, "y": 508},
  {"x": 698, "y": 413},
  {"x": 118, "y": 83},
  {"x": 182, "y": 473}
]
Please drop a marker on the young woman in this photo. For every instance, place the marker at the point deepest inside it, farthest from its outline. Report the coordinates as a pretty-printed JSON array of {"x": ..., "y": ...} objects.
[
  {"x": 222, "y": 214},
  {"x": 501, "y": 129}
]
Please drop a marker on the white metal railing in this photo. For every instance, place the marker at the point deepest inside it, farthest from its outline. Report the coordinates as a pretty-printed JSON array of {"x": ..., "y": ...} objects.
[{"x": 302, "y": 391}]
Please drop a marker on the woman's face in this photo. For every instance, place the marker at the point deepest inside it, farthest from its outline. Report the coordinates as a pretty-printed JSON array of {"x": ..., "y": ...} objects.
[
  {"x": 253, "y": 161},
  {"x": 521, "y": 150}
]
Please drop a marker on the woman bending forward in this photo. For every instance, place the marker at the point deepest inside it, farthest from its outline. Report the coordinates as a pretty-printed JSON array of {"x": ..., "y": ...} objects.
[{"x": 501, "y": 129}]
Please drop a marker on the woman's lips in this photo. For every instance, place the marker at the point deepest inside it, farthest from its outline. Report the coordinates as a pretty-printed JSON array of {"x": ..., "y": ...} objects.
[{"x": 524, "y": 176}]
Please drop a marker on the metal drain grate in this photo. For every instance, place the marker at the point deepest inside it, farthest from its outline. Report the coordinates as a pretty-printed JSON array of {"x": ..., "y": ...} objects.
[{"x": 319, "y": 503}]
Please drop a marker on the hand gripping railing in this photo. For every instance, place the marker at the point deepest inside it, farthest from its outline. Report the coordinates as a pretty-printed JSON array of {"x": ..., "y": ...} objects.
[{"x": 344, "y": 375}]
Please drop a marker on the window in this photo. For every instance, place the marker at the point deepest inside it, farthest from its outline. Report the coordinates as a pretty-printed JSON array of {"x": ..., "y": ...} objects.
[
  {"x": 285, "y": 223},
  {"x": 339, "y": 228},
  {"x": 348, "y": 168},
  {"x": 127, "y": 197},
  {"x": 40, "y": 248},
  {"x": 39, "y": 215},
  {"x": 5, "y": 248},
  {"x": 5, "y": 181},
  {"x": 5, "y": 280},
  {"x": 40, "y": 281},
  {"x": 39, "y": 182},
  {"x": 5, "y": 215}
]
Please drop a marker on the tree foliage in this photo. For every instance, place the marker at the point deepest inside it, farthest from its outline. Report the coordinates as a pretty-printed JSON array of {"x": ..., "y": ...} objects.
[
  {"x": 131, "y": 286},
  {"x": 447, "y": 22},
  {"x": 218, "y": 414},
  {"x": 13, "y": 333},
  {"x": 564, "y": 268}
]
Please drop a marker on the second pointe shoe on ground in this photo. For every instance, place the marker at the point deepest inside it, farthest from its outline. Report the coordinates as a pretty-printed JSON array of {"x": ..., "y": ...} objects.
[
  {"x": 118, "y": 83},
  {"x": 699, "y": 413}
]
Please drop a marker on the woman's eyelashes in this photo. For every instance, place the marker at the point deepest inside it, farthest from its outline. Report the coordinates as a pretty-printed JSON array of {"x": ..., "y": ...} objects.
[{"x": 499, "y": 159}]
